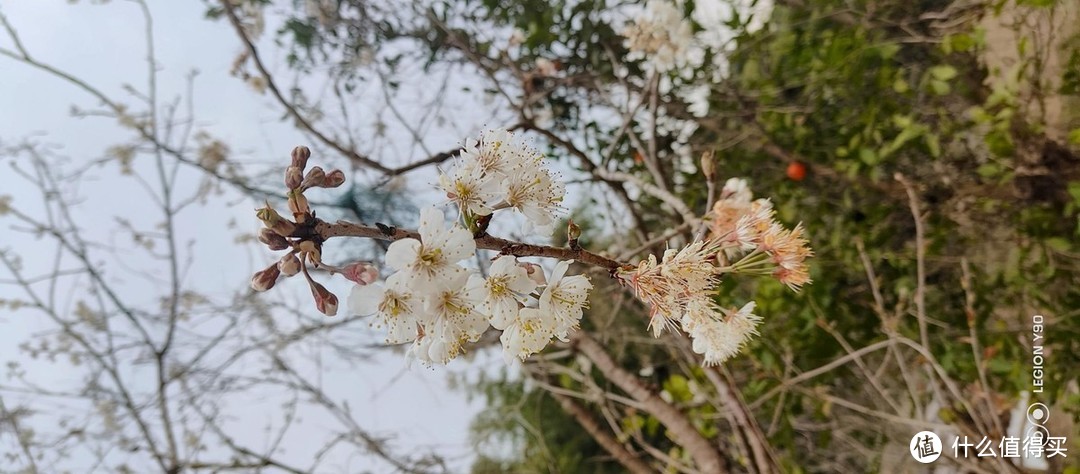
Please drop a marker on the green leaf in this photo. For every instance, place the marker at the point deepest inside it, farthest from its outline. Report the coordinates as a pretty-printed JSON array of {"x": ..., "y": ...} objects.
[
  {"x": 943, "y": 72},
  {"x": 1074, "y": 137},
  {"x": 868, "y": 156},
  {"x": 933, "y": 143},
  {"x": 939, "y": 87}
]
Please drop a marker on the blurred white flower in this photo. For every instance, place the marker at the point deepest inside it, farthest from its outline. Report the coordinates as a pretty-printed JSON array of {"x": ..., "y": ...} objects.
[
  {"x": 469, "y": 188},
  {"x": 527, "y": 334},
  {"x": 393, "y": 306},
  {"x": 534, "y": 193},
  {"x": 503, "y": 291},
  {"x": 719, "y": 339},
  {"x": 659, "y": 34},
  {"x": 565, "y": 298},
  {"x": 451, "y": 318},
  {"x": 434, "y": 257}
]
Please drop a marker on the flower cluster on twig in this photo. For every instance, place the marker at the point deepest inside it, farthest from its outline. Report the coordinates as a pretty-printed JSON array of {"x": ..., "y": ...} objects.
[{"x": 438, "y": 304}]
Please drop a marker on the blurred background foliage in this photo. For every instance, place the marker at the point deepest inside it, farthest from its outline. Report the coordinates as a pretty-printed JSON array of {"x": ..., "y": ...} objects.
[{"x": 964, "y": 110}]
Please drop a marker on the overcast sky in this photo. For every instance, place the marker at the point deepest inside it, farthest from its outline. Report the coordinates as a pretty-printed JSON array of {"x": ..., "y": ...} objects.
[{"x": 103, "y": 44}]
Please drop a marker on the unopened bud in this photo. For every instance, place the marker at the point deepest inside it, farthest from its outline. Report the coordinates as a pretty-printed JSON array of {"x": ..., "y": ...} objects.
[
  {"x": 293, "y": 177},
  {"x": 273, "y": 240},
  {"x": 325, "y": 301},
  {"x": 535, "y": 272},
  {"x": 708, "y": 165},
  {"x": 264, "y": 279},
  {"x": 361, "y": 273},
  {"x": 300, "y": 156},
  {"x": 273, "y": 221},
  {"x": 314, "y": 178},
  {"x": 573, "y": 231},
  {"x": 334, "y": 179},
  {"x": 298, "y": 204},
  {"x": 289, "y": 265}
]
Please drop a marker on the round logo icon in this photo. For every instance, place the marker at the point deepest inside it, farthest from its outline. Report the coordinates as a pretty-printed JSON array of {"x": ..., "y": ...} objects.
[{"x": 925, "y": 447}]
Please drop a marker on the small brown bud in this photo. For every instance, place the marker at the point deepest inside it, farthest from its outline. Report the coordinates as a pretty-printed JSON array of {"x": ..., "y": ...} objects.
[
  {"x": 573, "y": 232},
  {"x": 273, "y": 221},
  {"x": 361, "y": 273},
  {"x": 708, "y": 165},
  {"x": 289, "y": 265},
  {"x": 334, "y": 179},
  {"x": 298, "y": 204},
  {"x": 264, "y": 279},
  {"x": 314, "y": 178},
  {"x": 300, "y": 156},
  {"x": 273, "y": 240},
  {"x": 325, "y": 301},
  {"x": 293, "y": 177}
]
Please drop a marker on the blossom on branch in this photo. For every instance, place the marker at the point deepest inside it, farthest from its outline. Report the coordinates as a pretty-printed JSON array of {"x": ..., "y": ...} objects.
[
  {"x": 434, "y": 257},
  {"x": 661, "y": 35}
]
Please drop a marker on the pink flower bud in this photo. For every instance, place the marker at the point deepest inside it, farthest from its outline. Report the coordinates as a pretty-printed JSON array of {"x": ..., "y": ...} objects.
[
  {"x": 264, "y": 279},
  {"x": 273, "y": 240},
  {"x": 314, "y": 178},
  {"x": 334, "y": 179},
  {"x": 361, "y": 273},
  {"x": 289, "y": 265},
  {"x": 300, "y": 156},
  {"x": 325, "y": 301},
  {"x": 293, "y": 177},
  {"x": 536, "y": 272}
]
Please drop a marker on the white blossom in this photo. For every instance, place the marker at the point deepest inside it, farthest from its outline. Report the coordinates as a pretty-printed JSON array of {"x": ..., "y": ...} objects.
[
  {"x": 393, "y": 306},
  {"x": 564, "y": 299},
  {"x": 434, "y": 257},
  {"x": 661, "y": 35},
  {"x": 534, "y": 193},
  {"x": 451, "y": 318},
  {"x": 527, "y": 334},
  {"x": 503, "y": 291},
  {"x": 469, "y": 188},
  {"x": 718, "y": 339}
]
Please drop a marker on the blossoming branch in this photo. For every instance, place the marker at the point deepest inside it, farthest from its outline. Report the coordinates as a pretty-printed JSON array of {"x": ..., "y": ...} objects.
[{"x": 439, "y": 305}]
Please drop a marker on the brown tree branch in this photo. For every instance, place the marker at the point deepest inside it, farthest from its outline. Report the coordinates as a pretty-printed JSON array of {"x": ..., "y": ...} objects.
[
  {"x": 587, "y": 421},
  {"x": 682, "y": 430},
  {"x": 325, "y": 230}
]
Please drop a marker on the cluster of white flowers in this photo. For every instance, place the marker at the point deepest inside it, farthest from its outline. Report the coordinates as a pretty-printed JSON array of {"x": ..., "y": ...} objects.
[
  {"x": 661, "y": 35},
  {"x": 500, "y": 171},
  {"x": 439, "y": 305}
]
